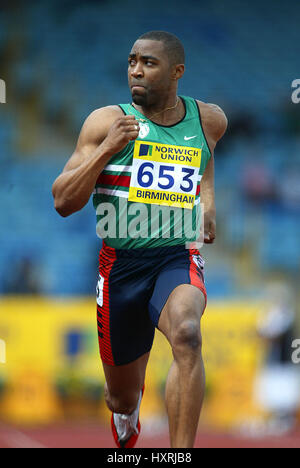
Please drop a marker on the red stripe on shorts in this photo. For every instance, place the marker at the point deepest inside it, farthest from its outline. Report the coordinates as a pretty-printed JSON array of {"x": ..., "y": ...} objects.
[
  {"x": 103, "y": 313},
  {"x": 196, "y": 275}
]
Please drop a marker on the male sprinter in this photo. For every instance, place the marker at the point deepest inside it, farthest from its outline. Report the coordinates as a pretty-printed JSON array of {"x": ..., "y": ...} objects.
[{"x": 139, "y": 158}]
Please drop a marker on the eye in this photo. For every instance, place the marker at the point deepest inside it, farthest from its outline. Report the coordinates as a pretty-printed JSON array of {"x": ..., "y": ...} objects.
[{"x": 131, "y": 62}]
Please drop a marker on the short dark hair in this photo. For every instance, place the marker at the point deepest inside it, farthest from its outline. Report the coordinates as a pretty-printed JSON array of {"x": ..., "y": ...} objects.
[{"x": 172, "y": 44}]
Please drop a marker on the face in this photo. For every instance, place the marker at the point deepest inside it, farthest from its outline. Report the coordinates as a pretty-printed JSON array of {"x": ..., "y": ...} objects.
[{"x": 149, "y": 72}]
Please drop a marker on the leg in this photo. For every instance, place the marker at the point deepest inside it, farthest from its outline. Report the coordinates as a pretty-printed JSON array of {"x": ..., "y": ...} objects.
[
  {"x": 124, "y": 329},
  {"x": 126, "y": 335},
  {"x": 123, "y": 385},
  {"x": 180, "y": 323}
]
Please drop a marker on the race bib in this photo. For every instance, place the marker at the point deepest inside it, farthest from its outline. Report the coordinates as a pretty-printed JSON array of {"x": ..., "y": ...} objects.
[{"x": 164, "y": 174}]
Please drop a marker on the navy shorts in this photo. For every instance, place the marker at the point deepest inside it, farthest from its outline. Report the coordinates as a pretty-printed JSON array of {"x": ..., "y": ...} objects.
[{"x": 132, "y": 289}]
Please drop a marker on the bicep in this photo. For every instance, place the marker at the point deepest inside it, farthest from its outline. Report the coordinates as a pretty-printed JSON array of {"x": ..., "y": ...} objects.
[
  {"x": 91, "y": 136},
  {"x": 75, "y": 161}
]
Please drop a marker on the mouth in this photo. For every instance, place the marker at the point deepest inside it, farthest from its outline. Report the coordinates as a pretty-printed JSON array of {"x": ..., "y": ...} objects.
[{"x": 137, "y": 87}]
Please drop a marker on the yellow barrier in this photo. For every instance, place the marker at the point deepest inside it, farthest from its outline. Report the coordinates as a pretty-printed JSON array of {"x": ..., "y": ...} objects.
[{"x": 51, "y": 348}]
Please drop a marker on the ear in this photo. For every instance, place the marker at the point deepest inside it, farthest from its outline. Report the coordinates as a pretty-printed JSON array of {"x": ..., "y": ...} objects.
[{"x": 178, "y": 71}]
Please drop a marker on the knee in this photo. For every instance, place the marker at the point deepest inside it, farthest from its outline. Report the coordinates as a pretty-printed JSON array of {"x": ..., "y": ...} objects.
[
  {"x": 121, "y": 403},
  {"x": 187, "y": 338}
]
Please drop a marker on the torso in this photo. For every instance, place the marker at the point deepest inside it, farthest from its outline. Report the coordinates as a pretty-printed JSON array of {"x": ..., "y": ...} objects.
[{"x": 159, "y": 172}]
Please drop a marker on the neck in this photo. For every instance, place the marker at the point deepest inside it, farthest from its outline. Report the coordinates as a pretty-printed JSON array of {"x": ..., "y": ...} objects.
[{"x": 165, "y": 112}]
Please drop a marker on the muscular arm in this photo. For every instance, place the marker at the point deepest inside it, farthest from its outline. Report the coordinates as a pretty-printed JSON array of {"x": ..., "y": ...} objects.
[
  {"x": 105, "y": 132},
  {"x": 214, "y": 124}
]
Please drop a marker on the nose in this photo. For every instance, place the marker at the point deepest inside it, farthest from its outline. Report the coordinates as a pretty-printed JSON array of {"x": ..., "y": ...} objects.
[{"x": 137, "y": 71}]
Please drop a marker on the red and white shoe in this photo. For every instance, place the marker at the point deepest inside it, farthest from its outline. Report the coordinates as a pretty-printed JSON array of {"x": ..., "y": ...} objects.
[{"x": 126, "y": 427}]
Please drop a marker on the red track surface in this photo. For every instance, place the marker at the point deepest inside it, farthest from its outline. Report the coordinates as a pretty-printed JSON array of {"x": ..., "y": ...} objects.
[{"x": 92, "y": 435}]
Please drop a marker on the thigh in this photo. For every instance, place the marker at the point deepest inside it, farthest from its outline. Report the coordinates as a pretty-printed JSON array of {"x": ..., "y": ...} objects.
[
  {"x": 185, "y": 305},
  {"x": 125, "y": 331},
  {"x": 183, "y": 269}
]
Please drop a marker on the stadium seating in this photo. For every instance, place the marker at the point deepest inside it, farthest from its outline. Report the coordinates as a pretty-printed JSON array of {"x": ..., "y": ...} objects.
[{"x": 73, "y": 58}]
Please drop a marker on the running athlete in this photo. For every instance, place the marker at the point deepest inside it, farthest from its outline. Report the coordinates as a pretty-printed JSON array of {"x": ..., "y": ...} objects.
[{"x": 143, "y": 161}]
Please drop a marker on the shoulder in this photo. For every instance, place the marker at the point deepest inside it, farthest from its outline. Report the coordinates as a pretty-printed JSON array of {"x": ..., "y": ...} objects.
[
  {"x": 98, "y": 123},
  {"x": 94, "y": 130},
  {"x": 214, "y": 121},
  {"x": 103, "y": 115}
]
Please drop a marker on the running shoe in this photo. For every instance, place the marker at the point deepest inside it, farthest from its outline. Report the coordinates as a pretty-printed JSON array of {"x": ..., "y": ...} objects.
[{"x": 126, "y": 427}]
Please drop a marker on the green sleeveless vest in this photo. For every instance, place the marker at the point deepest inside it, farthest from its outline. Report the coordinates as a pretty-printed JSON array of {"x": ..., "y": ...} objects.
[{"x": 148, "y": 195}]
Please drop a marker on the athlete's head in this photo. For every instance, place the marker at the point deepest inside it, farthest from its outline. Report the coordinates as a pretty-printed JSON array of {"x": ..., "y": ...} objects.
[{"x": 155, "y": 63}]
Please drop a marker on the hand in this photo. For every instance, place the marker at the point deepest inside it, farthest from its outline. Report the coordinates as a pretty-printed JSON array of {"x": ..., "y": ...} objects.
[
  {"x": 209, "y": 227},
  {"x": 123, "y": 130}
]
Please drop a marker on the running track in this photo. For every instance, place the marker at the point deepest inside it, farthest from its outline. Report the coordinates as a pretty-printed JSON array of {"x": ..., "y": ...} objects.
[{"x": 92, "y": 435}]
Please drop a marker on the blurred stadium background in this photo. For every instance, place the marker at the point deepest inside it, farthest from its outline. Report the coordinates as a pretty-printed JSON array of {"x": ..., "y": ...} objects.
[{"x": 62, "y": 59}]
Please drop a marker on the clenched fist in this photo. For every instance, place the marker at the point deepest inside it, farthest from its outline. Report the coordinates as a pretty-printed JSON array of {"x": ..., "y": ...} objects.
[{"x": 123, "y": 130}]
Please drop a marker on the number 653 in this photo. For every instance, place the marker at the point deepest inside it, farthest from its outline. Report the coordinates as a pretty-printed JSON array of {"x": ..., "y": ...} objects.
[{"x": 166, "y": 176}]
